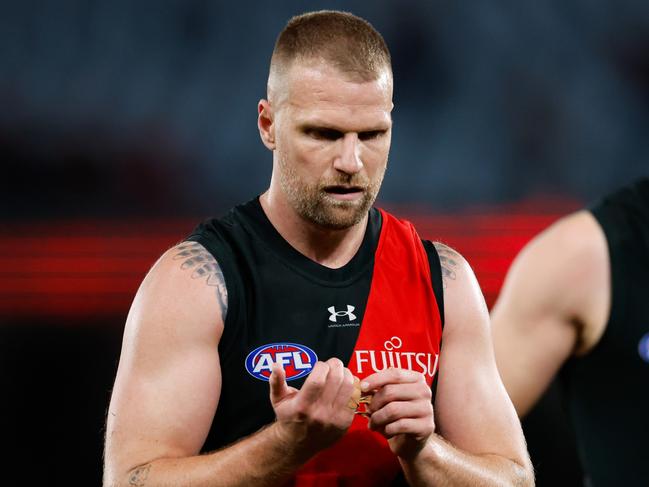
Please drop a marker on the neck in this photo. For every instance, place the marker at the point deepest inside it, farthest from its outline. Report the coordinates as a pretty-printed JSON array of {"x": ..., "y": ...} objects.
[{"x": 331, "y": 248}]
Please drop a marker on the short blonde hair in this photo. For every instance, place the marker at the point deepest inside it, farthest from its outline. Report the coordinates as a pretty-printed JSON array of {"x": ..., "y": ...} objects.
[{"x": 341, "y": 39}]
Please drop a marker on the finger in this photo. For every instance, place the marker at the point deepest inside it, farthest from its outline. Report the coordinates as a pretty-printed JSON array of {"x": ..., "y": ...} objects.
[
  {"x": 314, "y": 384},
  {"x": 389, "y": 376},
  {"x": 334, "y": 380},
  {"x": 400, "y": 392},
  {"x": 346, "y": 389},
  {"x": 278, "y": 387},
  {"x": 420, "y": 428},
  {"x": 395, "y": 411}
]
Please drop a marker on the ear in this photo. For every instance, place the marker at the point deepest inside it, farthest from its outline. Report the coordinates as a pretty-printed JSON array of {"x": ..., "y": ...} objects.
[{"x": 266, "y": 124}]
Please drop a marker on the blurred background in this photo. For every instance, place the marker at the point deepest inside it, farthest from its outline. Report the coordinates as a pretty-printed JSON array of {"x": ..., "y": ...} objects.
[{"x": 123, "y": 124}]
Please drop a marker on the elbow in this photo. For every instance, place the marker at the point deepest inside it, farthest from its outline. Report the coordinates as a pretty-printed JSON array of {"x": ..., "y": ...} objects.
[
  {"x": 522, "y": 475},
  {"x": 112, "y": 478},
  {"x": 109, "y": 479},
  {"x": 136, "y": 476}
]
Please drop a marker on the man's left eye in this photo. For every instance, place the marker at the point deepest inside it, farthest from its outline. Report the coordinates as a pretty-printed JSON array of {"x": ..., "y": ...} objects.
[{"x": 325, "y": 134}]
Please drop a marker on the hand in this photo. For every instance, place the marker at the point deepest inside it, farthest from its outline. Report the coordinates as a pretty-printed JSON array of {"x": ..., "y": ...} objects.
[
  {"x": 316, "y": 416},
  {"x": 401, "y": 409}
]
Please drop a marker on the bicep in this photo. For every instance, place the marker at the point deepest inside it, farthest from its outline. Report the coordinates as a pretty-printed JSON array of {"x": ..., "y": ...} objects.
[
  {"x": 472, "y": 408},
  {"x": 168, "y": 380},
  {"x": 548, "y": 306},
  {"x": 529, "y": 357}
]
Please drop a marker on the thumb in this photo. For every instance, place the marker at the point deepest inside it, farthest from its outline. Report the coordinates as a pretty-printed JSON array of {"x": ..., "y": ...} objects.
[{"x": 278, "y": 387}]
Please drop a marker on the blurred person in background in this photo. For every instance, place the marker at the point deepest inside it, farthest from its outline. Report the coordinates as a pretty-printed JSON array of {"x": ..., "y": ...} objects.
[
  {"x": 578, "y": 295},
  {"x": 310, "y": 284}
]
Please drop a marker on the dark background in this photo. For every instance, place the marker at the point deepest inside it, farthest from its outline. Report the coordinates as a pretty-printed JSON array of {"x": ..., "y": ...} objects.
[{"x": 123, "y": 124}]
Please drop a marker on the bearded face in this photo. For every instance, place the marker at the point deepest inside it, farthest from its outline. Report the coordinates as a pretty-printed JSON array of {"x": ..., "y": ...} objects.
[{"x": 332, "y": 138}]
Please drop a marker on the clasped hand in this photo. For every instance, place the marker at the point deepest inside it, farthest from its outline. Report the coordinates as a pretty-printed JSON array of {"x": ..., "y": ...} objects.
[{"x": 401, "y": 409}]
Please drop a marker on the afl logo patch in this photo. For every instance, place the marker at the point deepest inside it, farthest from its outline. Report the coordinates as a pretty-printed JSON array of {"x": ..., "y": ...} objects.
[
  {"x": 297, "y": 360},
  {"x": 643, "y": 347}
]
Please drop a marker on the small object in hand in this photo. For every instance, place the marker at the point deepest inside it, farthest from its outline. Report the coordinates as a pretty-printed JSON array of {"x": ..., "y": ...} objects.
[{"x": 359, "y": 402}]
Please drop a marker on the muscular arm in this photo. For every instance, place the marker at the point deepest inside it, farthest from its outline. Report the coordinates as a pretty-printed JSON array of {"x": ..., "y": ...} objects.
[
  {"x": 477, "y": 438},
  {"x": 168, "y": 384},
  {"x": 555, "y": 302}
]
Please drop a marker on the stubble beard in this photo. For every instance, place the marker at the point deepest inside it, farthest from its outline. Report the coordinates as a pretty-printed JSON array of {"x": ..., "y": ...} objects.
[{"x": 315, "y": 205}]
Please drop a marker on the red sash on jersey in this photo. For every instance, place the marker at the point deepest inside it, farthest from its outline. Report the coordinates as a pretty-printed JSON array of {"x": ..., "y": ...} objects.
[{"x": 401, "y": 328}]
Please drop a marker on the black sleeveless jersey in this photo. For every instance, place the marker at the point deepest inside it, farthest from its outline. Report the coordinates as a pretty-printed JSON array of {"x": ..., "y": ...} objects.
[
  {"x": 382, "y": 309},
  {"x": 608, "y": 389}
]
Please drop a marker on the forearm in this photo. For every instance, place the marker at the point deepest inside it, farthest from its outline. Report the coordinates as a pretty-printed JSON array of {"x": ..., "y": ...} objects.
[
  {"x": 441, "y": 464},
  {"x": 263, "y": 459}
]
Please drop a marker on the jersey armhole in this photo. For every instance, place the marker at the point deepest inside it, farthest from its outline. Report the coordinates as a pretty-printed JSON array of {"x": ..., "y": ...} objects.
[
  {"x": 438, "y": 289},
  {"x": 436, "y": 276}
]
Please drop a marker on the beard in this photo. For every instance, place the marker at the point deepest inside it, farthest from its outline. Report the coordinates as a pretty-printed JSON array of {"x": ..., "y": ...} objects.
[{"x": 313, "y": 203}]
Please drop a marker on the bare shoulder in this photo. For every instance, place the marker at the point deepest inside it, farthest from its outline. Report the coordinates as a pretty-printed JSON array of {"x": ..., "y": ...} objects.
[
  {"x": 567, "y": 262},
  {"x": 201, "y": 266},
  {"x": 462, "y": 294},
  {"x": 191, "y": 267},
  {"x": 457, "y": 274},
  {"x": 449, "y": 259},
  {"x": 185, "y": 286},
  {"x": 577, "y": 237}
]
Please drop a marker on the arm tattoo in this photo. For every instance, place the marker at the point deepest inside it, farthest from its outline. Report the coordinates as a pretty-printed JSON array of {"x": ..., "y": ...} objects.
[
  {"x": 139, "y": 475},
  {"x": 448, "y": 259},
  {"x": 204, "y": 265}
]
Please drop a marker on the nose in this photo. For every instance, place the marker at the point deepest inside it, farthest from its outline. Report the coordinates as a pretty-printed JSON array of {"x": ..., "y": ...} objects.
[{"x": 349, "y": 160}]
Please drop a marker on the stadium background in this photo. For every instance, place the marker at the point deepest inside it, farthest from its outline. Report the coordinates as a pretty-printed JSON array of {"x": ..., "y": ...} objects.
[{"x": 123, "y": 124}]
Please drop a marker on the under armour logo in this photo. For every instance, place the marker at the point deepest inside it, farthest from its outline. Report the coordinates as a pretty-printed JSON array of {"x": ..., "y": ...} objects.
[{"x": 348, "y": 313}]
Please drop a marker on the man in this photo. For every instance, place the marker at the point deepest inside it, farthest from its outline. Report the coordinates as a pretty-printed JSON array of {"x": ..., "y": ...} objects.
[
  {"x": 577, "y": 295},
  {"x": 309, "y": 271}
]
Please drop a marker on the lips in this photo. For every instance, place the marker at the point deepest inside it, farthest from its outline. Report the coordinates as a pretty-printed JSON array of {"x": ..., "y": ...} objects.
[
  {"x": 345, "y": 193},
  {"x": 344, "y": 189}
]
